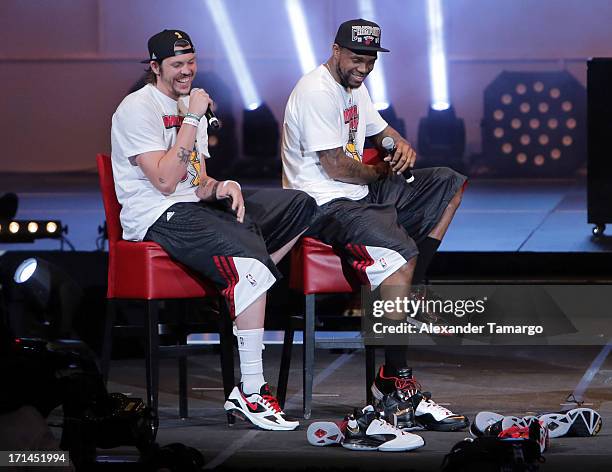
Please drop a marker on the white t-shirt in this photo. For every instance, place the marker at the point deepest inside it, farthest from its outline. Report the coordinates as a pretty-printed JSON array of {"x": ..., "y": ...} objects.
[
  {"x": 145, "y": 121},
  {"x": 319, "y": 115}
]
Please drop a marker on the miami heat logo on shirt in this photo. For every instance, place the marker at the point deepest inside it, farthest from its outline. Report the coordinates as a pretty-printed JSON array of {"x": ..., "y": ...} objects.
[{"x": 351, "y": 117}]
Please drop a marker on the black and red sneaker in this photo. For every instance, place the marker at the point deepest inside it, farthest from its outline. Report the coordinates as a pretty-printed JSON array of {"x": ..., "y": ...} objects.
[{"x": 427, "y": 413}]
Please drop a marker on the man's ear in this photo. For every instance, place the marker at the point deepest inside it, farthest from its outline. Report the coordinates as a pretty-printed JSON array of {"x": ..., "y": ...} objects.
[
  {"x": 154, "y": 67},
  {"x": 336, "y": 51}
]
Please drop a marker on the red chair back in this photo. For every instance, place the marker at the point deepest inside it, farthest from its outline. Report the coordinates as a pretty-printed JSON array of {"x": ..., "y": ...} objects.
[{"x": 112, "y": 208}]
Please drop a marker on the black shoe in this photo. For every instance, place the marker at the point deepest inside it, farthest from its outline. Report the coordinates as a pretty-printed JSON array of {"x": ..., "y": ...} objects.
[
  {"x": 427, "y": 413},
  {"x": 399, "y": 411}
]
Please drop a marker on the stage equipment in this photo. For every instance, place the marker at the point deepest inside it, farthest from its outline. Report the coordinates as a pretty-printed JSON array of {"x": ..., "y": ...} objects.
[
  {"x": 389, "y": 115},
  {"x": 54, "y": 293},
  {"x": 534, "y": 124},
  {"x": 599, "y": 161},
  {"x": 27, "y": 231},
  {"x": 441, "y": 137}
]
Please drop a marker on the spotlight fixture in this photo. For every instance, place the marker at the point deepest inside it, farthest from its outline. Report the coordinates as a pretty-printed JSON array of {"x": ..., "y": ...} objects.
[
  {"x": 442, "y": 137},
  {"x": 534, "y": 124},
  {"x": 27, "y": 231},
  {"x": 53, "y": 293}
]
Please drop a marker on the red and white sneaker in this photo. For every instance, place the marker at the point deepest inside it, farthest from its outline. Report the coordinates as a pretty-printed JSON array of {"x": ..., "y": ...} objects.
[{"x": 261, "y": 409}]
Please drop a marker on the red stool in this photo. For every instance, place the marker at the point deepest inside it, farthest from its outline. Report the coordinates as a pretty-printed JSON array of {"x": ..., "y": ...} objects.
[{"x": 144, "y": 271}]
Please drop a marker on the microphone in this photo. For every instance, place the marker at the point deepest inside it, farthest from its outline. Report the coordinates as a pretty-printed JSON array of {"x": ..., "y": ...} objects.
[
  {"x": 388, "y": 143},
  {"x": 212, "y": 119}
]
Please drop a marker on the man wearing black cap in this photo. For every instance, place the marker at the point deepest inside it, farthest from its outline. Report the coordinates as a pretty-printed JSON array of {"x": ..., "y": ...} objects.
[
  {"x": 372, "y": 216},
  {"x": 233, "y": 238}
]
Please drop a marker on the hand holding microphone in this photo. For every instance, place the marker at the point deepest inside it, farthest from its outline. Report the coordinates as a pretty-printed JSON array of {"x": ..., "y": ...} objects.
[
  {"x": 403, "y": 162},
  {"x": 200, "y": 104}
]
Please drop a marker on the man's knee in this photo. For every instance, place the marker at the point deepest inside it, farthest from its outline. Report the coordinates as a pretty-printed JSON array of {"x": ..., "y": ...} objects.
[{"x": 405, "y": 272}]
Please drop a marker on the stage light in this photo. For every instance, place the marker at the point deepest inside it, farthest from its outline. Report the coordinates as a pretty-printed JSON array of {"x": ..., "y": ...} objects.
[
  {"x": 301, "y": 36},
  {"x": 51, "y": 227},
  {"x": 543, "y": 122},
  {"x": 437, "y": 57},
  {"x": 244, "y": 80},
  {"x": 441, "y": 135},
  {"x": 27, "y": 231},
  {"x": 376, "y": 79},
  {"x": 54, "y": 294}
]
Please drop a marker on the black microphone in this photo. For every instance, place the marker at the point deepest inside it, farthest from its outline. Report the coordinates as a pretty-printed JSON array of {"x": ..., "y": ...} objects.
[
  {"x": 388, "y": 143},
  {"x": 212, "y": 119}
]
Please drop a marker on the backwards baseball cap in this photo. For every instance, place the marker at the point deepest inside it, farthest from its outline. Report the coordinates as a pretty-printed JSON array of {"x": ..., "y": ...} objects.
[
  {"x": 161, "y": 45},
  {"x": 360, "y": 36}
]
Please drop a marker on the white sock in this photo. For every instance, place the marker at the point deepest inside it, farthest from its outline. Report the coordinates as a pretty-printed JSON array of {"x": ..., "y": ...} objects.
[{"x": 250, "y": 345}]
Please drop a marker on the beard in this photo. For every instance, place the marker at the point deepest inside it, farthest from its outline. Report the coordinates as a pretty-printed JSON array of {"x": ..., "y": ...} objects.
[{"x": 345, "y": 78}]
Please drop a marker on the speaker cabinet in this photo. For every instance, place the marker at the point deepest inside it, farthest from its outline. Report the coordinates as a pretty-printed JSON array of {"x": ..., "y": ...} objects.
[{"x": 599, "y": 142}]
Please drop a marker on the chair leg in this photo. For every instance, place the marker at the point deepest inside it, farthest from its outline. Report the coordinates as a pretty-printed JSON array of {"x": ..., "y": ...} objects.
[
  {"x": 182, "y": 361},
  {"x": 107, "y": 341},
  {"x": 370, "y": 371},
  {"x": 226, "y": 339},
  {"x": 283, "y": 374},
  {"x": 152, "y": 353},
  {"x": 309, "y": 346}
]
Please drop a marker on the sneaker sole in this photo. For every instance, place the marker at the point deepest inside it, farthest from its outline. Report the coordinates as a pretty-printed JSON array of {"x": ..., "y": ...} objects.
[
  {"x": 245, "y": 416},
  {"x": 361, "y": 446},
  {"x": 579, "y": 422},
  {"x": 324, "y": 433}
]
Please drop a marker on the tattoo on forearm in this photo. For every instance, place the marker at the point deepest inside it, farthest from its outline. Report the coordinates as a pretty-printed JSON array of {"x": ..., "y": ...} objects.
[
  {"x": 162, "y": 181},
  {"x": 184, "y": 155},
  {"x": 207, "y": 191},
  {"x": 340, "y": 167}
]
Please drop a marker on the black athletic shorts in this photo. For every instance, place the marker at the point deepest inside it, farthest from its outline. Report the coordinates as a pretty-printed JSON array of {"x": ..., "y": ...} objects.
[
  {"x": 207, "y": 238},
  {"x": 379, "y": 233}
]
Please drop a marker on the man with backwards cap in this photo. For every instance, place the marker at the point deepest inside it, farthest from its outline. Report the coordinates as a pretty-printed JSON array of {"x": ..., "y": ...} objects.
[
  {"x": 386, "y": 228},
  {"x": 232, "y": 237}
]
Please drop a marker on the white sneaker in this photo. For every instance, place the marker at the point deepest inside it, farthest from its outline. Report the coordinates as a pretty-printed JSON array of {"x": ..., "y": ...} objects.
[
  {"x": 261, "y": 409},
  {"x": 369, "y": 432}
]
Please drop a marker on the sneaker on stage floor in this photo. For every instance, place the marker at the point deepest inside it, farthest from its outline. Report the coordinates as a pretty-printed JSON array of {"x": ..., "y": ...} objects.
[
  {"x": 326, "y": 433},
  {"x": 578, "y": 422},
  {"x": 489, "y": 424},
  {"x": 427, "y": 413},
  {"x": 399, "y": 411},
  {"x": 261, "y": 409},
  {"x": 368, "y": 431}
]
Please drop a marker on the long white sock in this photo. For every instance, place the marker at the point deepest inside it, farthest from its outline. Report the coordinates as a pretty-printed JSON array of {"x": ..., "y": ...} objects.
[{"x": 250, "y": 346}]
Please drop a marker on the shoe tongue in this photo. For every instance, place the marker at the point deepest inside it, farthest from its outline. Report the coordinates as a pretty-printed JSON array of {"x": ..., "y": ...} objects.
[{"x": 367, "y": 409}]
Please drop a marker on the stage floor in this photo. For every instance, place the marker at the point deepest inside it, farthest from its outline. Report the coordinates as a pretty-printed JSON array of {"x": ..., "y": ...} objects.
[
  {"x": 511, "y": 380},
  {"x": 495, "y": 216}
]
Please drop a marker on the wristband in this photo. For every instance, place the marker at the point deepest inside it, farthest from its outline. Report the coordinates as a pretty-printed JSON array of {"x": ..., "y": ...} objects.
[
  {"x": 193, "y": 115},
  {"x": 225, "y": 182},
  {"x": 188, "y": 120}
]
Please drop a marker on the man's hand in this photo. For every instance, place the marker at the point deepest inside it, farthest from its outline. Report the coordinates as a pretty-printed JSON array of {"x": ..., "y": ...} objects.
[
  {"x": 230, "y": 189},
  {"x": 403, "y": 158},
  {"x": 199, "y": 101}
]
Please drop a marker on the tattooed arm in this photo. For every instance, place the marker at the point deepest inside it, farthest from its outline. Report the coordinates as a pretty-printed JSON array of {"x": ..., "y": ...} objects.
[
  {"x": 339, "y": 167},
  {"x": 166, "y": 169}
]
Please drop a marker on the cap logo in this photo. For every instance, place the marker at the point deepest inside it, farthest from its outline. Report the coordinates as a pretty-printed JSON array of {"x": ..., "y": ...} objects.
[
  {"x": 365, "y": 34},
  {"x": 178, "y": 35}
]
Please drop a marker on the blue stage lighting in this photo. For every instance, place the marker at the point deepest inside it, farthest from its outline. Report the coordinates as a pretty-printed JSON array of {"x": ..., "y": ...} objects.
[
  {"x": 243, "y": 77},
  {"x": 437, "y": 57},
  {"x": 301, "y": 36},
  {"x": 376, "y": 79}
]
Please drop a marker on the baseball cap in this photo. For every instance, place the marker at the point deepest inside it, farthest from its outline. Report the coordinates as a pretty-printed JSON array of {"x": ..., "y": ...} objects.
[
  {"x": 161, "y": 45},
  {"x": 360, "y": 36}
]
